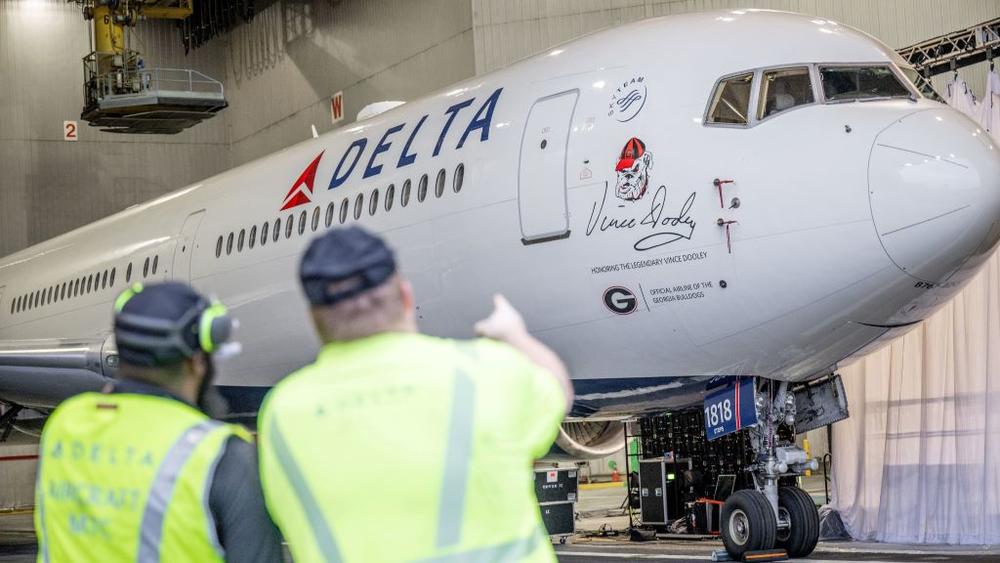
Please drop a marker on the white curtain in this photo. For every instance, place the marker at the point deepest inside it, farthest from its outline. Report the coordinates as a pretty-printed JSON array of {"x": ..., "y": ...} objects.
[
  {"x": 960, "y": 97},
  {"x": 989, "y": 107},
  {"x": 918, "y": 461}
]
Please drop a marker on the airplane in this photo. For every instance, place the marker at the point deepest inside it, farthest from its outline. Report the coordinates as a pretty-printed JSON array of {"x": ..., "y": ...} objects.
[{"x": 736, "y": 193}]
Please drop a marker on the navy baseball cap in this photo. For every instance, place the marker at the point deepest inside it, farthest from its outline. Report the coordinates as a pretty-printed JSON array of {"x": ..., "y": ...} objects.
[
  {"x": 343, "y": 254},
  {"x": 157, "y": 325}
]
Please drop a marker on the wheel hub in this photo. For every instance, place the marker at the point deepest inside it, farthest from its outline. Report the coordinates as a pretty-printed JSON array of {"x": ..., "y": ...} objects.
[
  {"x": 784, "y": 531},
  {"x": 739, "y": 527}
]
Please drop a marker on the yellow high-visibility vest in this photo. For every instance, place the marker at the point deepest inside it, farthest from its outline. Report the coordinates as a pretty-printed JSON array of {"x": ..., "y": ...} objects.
[
  {"x": 404, "y": 447},
  {"x": 126, "y": 477}
]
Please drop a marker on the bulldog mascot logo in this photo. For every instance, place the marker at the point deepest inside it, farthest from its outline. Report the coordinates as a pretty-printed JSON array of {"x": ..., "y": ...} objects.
[{"x": 633, "y": 169}]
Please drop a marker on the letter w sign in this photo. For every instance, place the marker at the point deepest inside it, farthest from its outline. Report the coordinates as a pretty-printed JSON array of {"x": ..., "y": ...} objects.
[{"x": 337, "y": 108}]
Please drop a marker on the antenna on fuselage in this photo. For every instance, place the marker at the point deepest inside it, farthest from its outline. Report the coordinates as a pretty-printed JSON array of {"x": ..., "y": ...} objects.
[{"x": 315, "y": 134}]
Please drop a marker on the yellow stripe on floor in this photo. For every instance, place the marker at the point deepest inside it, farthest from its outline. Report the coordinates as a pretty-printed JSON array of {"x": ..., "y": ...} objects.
[{"x": 607, "y": 485}]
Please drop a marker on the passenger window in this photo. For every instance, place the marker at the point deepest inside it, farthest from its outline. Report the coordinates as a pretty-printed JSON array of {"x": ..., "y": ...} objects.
[
  {"x": 329, "y": 214},
  {"x": 373, "y": 202},
  {"x": 289, "y": 225},
  {"x": 731, "y": 100},
  {"x": 344, "y": 205},
  {"x": 439, "y": 183},
  {"x": 784, "y": 89},
  {"x": 239, "y": 243},
  {"x": 263, "y": 232},
  {"x": 218, "y": 247},
  {"x": 404, "y": 196},
  {"x": 156, "y": 260},
  {"x": 253, "y": 237},
  {"x": 229, "y": 250},
  {"x": 359, "y": 203},
  {"x": 315, "y": 221},
  {"x": 128, "y": 270},
  {"x": 302, "y": 222},
  {"x": 90, "y": 283},
  {"x": 111, "y": 282},
  {"x": 860, "y": 83},
  {"x": 456, "y": 182},
  {"x": 422, "y": 189},
  {"x": 277, "y": 230},
  {"x": 104, "y": 280},
  {"x": 145, "y": 264},
  {"x": 390, "y": 193}
]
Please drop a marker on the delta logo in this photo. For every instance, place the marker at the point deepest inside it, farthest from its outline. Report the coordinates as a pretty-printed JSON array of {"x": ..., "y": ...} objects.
[
  {"x": 302, "y": 189},
  {"x": 398, "y": 146}
]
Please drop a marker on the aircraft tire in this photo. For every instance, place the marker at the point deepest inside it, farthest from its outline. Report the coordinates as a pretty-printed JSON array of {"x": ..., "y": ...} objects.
[
  {"x": 748, "y": 523},
  {"x": 799, "y": 540}
]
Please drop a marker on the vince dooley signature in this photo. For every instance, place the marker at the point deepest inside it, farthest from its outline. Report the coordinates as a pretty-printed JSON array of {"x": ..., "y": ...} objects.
[{"x": 660, "y": 226}]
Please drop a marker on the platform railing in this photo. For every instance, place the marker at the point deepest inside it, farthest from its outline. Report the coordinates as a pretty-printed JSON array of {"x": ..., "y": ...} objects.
[{"x": 130, "y": 79}]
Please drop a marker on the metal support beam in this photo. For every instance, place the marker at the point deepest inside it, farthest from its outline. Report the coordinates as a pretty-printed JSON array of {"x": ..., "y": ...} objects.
[{"x": 955, "y": 50}]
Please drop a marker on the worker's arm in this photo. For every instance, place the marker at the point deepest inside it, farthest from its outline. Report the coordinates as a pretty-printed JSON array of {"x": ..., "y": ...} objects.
[
  {"x": 506, "y": 325},
  {"x": 236, "y": 500}
]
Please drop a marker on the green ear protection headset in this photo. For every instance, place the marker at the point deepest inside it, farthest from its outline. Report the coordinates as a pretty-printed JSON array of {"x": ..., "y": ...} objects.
[{"x": 163, "y": 341}]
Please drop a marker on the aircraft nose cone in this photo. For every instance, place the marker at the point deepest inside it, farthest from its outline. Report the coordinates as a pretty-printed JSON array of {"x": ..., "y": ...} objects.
[{"x": 934, "y": 187}]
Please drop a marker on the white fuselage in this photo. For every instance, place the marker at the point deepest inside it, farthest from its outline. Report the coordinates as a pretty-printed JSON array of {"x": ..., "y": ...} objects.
[{"x": 835, "y": 201}]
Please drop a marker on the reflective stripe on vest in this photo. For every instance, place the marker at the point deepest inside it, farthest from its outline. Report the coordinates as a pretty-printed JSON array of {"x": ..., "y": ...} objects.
[
  {"x": 320, "y": 528},
  {"x": 456, "y": 462},
  {"x": 151, "y": 530}
]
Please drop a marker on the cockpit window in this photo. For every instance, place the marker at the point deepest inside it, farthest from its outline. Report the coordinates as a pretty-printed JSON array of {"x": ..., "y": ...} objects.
[
  {"x": 784, "y": 89},
  {"x": 860, "y": 83},
  {"x": 731, "y": 101},
  {"x": 922, "y": 84}
]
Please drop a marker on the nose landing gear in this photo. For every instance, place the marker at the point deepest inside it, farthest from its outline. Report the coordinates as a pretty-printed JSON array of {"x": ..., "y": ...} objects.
[{"x": 768, "y": 515}]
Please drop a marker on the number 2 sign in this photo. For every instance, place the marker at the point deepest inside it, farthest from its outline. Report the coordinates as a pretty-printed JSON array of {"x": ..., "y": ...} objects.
[{"x": 70, "y": 131}]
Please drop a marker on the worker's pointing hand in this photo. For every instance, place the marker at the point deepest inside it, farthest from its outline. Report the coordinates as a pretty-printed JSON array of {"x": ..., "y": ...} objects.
[{"x": 503, "y": 323}]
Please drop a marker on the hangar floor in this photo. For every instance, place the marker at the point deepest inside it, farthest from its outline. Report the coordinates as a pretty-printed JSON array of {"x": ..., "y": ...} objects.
[
  {"x": 600, "y": 507},
  {"x": 17, "y": 542}
]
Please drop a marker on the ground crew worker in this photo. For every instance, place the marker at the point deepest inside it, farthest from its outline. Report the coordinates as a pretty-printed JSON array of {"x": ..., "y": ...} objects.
[
  {"x": 395, "y": 446},
  {"x": 138, "y": 473}
]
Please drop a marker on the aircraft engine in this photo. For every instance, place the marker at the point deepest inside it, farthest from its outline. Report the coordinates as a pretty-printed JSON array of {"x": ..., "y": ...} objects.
[{"x": 586, "y": 439}]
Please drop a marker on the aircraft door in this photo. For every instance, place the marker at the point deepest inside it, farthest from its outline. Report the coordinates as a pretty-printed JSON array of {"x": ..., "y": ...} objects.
[
  {"x": 184, "y": 249},
  {"x": 541, "y": 186}
]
